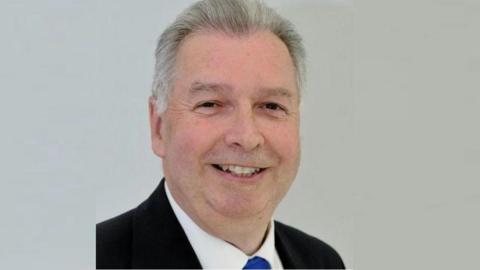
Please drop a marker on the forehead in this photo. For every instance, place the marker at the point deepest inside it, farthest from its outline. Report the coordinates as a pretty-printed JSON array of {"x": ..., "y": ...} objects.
[{"x": 256, "y": 60}]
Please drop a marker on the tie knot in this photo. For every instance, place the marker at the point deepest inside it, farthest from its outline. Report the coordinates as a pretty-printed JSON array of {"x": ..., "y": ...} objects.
[{"x": 257, "y": 263}]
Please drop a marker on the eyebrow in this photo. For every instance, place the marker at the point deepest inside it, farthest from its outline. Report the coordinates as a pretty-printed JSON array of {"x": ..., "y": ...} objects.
[
  {"x": 198, "y": 86},
  {"x": 276, "y": 91},
  {"x": 208, "y": 87}
]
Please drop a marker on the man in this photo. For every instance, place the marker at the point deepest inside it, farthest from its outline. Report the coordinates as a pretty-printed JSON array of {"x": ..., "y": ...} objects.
[{"x": 224, "y": 119}]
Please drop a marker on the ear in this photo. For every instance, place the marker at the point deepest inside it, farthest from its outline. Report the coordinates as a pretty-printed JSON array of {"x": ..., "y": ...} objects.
[{"x": 156, "y": 134}]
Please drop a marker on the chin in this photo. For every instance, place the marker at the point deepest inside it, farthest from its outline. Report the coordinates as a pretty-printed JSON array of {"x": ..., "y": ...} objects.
[{"x": 240, "y": 207}]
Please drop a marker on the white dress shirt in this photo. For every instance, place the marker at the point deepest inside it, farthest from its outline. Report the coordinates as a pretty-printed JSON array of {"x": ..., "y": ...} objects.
[{"x": 215, "y": 253}]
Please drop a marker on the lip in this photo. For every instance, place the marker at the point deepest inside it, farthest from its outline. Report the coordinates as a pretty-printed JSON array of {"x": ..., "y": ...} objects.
[{"x": 241, "y": 179}]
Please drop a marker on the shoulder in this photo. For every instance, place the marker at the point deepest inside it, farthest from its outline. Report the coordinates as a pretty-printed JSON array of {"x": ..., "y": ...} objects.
[
  {"x": 305, "y": 249},
  {"x": 114, "y": 239}
]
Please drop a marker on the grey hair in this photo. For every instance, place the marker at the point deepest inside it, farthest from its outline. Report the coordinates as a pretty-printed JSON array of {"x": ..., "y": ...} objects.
[{"x": 235, "y": 17}]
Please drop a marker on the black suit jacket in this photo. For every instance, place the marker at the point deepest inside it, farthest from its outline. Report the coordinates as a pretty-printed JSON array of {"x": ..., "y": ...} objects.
[{"x": 150, "y": 236}]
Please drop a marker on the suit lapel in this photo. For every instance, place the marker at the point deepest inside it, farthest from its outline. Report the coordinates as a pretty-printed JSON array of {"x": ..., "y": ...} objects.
[
  {"x": 158, "y": 238},
  {"x": 288, "y": 255}
]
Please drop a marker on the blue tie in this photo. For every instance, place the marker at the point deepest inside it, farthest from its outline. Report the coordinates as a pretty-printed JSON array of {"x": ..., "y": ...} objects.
[{"x": 257, "y": 263}]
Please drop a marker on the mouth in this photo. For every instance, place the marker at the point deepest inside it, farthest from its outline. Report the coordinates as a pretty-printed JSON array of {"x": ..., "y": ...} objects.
[{"x": 239, "y": 171}]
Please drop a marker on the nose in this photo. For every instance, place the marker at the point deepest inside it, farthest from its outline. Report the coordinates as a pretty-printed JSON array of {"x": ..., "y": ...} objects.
[{"x": 243, "y": 132}]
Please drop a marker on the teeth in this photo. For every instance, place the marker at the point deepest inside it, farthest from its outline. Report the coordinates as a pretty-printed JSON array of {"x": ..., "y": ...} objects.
[{"x": 238, "y": 170}]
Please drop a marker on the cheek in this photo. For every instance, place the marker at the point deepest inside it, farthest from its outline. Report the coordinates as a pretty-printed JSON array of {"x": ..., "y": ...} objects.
[
  {"x": 286, "y": 142},
  {"x": 190, "y": 140}
]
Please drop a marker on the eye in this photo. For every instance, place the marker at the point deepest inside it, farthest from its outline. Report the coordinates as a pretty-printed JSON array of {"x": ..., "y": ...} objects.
[
  {"x": 208, "y": 104},
  {"x": 208, "y": 107},
  {"x": 274, "y": 109},
  {"x": 273, "y": 106}
]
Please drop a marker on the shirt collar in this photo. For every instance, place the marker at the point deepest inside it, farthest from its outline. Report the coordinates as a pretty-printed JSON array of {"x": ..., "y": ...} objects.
[{"x": 213, "y": 252}]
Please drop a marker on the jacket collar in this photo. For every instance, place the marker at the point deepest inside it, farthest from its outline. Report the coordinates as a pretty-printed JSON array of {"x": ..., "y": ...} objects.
[
  {"x": 158, "y": 239},
  {"x": 288, "y": 256}
]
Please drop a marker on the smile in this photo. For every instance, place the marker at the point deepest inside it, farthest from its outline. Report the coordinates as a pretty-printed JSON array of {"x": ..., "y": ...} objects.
[{"x": 238, "y": 171}]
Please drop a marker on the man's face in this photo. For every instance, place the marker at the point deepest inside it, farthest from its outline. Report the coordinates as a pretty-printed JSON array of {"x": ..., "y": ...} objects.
[{"x": 229, "y": 139}]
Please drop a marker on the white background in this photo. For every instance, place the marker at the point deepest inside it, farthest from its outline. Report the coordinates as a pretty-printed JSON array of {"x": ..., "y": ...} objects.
[{"x": 390, "y": 127}]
